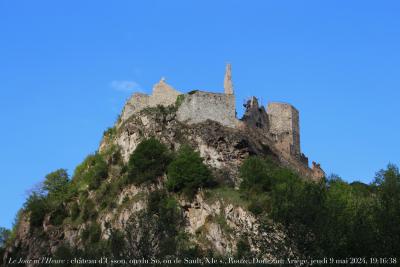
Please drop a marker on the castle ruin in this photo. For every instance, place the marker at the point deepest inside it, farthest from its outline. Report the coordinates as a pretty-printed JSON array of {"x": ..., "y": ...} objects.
[{"x": 278, "y": 123}]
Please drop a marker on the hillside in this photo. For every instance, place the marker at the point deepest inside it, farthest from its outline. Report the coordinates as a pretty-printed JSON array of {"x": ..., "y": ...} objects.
[
  {"x": 159, "y": 188},
  {"x": 102, "y": 202}
]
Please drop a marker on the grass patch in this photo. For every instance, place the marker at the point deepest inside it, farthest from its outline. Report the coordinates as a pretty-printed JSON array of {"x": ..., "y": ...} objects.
[{"x": 227, "y": 195}]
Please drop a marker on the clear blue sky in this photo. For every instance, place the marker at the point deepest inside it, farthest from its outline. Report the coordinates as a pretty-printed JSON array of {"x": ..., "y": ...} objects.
[{"x": 67, "y": 67}]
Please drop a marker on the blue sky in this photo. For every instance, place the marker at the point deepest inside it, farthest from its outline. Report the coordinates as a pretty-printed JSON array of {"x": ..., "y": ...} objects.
[{"x": 67, "y": 67}]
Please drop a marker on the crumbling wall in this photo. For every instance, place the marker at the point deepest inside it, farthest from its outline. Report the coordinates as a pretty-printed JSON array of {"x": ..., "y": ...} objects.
[
  {"x": 137, "y": 102},
  {"x": 255, "y": 116},
  {"x": 201, "y": 106},
  {"x": 317, "y": 171},
  {"x": 284, "y": 128},
  {"x": 163, "y": 94}
]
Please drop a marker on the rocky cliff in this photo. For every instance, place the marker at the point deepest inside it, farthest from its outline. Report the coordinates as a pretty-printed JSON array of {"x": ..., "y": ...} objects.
[{"x": 215, "y": 221}]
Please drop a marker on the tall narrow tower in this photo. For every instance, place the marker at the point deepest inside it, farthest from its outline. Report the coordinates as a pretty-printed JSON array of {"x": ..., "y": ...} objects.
[{"x": 228, "y": 86}]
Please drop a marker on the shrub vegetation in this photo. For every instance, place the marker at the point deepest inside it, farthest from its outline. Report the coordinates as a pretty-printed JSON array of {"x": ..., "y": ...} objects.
[
  {"x": 148, "y": 162},
  {"x": 187, "y": 172},
  {"x": 92, "y": 171},
  {"x": 330, "y": 218}
]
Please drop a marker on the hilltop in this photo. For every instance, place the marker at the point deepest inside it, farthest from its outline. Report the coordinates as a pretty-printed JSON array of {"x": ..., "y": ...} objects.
[{"x": 178, "y": 175}]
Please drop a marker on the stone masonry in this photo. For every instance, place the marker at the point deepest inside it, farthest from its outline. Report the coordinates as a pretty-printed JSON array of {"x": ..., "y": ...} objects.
[
  {"x": 201, "y": 106},
  {"x": 163, "y": 94},
  {"x": 284, "y": 127},
  {"x": 228, "y": 85}
]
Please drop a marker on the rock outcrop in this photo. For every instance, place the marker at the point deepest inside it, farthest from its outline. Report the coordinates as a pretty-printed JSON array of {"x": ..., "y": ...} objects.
[{"x": 211, "y": 221}]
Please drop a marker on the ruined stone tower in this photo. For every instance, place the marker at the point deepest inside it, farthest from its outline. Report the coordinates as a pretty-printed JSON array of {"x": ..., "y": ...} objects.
[
  {"x": 228, "y": 85},
  {"x": 284, "y": 128}
]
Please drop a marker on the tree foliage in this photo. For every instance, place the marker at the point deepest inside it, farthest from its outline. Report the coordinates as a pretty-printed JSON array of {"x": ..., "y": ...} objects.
[
  {"x": 149, "y": 161},
  {"x": 187, "y": 172},
  {"x": 330, "y": 218},
  {"x": 387, "y": 184},
  {"x": 56, "y": 182},
  {"x": 256, "y": 174},
  {"x": 37, "y": 206},
  {"x": 92, "y": 171}
]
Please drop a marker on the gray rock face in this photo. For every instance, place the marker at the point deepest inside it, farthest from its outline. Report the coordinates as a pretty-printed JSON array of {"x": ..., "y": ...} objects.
[
  {"x": 222, "y": 148},
  {"x": 223, "y": 224}
]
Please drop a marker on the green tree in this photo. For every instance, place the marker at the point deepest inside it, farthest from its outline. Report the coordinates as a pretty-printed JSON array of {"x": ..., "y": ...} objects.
[
  {"x": 388, "y": 211},
  {"x": 169, "y": 218},
  {"x": 256, "y": 174},
  {"x": 91, "y": 172},
  {"x": 348, "y": 220},
  {"x": 97, "y": 172},
  {"x": 149, "y": 161},
  {"x": 56, "y": 182},
  {"x": 187, "y": 172}
]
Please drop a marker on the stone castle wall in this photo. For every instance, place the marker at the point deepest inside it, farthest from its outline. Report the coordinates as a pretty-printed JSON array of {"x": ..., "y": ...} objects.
[
  {"x": 284, "y": 128},
  {"x": 163, "y": 94},
  {"x": 201, "y": 106}
]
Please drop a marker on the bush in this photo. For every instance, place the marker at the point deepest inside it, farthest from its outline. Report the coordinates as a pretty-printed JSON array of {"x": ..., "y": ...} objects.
[
  {"x": 92, "y": 171},
  {"x": 149, "y": 161},
  {"x": 37, "y": 206},
  {"x": 256, "y": 174},
  {"x": 91, "y": 234},
  {"x": 89, "y": 210},
  {"x": 187, "y": 172},
  {"x": 97, "y": 173},
  {"x": 58, "y": 215},
  {"x": 107, "y": 193},
  {"x": 168, "y": 220}
]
